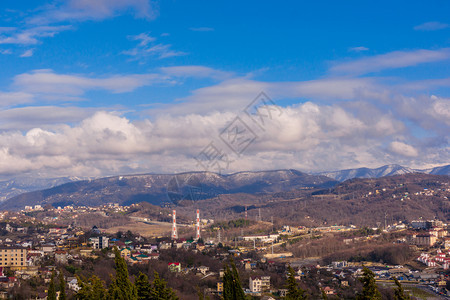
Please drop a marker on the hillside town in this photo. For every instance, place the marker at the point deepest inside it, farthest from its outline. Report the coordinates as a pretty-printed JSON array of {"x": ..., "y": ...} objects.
[{"x": 33, "y": 247}]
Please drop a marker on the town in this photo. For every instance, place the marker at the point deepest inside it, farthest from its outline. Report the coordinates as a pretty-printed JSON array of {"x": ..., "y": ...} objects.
[{"x": 38, "y": 241}]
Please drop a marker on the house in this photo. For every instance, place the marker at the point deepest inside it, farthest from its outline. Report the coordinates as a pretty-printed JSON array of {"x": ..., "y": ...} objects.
[
  {"x": 259, "y": 284},
  {"x": 61, "y": 257},
  {"x": 125, "y": 252},
  {"x": 73, "y": 284},
  {"x": 203, "y": 270},
  {"x": 174, "y": 267},
  {"x": 329, "y": 291}
]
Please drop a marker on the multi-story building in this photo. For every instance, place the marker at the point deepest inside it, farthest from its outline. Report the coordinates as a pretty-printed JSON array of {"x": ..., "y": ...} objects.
[
  {"x": 259, "y": 284},
  {"x": 14, "y": 257},
  {"x": 100, "y": 242},
  {"x": 425, "y": 240}
]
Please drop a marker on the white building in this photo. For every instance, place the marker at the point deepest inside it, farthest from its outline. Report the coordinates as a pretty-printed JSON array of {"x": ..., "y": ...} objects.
[
  {"x": 259, "y": 284},
  {"x": 100, "y": 242}
]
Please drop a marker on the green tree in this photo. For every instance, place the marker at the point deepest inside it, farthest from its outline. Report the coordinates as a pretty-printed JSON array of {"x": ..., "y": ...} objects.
[
  {"x": 294, "y": 292},
  {"x": 399, "y": 293},
  {"x": 159, "y": 290},
  {"x": 62, "y": 286},
  {"x": 232, "y": 288},
  {"x": 143, "y": 287},
  {"x": 51, "y": 294},
  {"x": 91, "y": 289},
  {"x": 121, "y": 287},
  {"x": 370, "y": 290}
]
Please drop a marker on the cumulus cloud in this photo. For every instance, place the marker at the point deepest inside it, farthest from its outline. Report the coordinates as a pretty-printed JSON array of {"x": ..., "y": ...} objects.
[{"x": 307, "y": 137}]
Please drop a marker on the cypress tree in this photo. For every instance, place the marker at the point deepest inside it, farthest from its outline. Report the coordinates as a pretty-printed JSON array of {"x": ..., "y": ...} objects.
[
  {"x": 232, "y": 288},
  {"x": 159, "y": 290},
  {"x": 62, "y": 286},
  {"x": 399, "y": 293},
  {"x": 143, "y": 287},
  {"x": 370, "y": 290},
  {"x": 121, "y": 287},
  {"x": 294, "y": 291},
  {"x": 51, "y": 294}
]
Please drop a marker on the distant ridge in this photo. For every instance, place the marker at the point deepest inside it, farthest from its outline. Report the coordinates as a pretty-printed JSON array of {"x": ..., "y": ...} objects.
[
  {"x": 160, "y": 188},
  {"x": 387, "y": 170}
]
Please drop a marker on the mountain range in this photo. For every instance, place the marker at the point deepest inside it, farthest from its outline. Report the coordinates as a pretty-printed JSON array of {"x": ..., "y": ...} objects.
[
  {"x": 158, "y": 188},
  {"x": 387, "y": 170}
]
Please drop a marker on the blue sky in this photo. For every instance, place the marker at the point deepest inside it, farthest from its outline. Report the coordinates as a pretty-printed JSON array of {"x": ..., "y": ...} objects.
[{"x": 93, "y": 88}]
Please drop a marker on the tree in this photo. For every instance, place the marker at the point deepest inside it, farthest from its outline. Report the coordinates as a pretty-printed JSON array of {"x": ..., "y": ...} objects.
[
  {"x": 160, "y": 291},
  {"x": 62, "y": 286},
  {"x": 143, "y": 287},
  {"x": 121, "y": 287},
  {"x": 91, "y": 289},
  {"x": 232, "y": 288},
  {"x": 399, "y": 293},
  {"x": 51, "y": 294},
  {"x": 370, "y": 290},
  {"x": 294, "y": 291}
]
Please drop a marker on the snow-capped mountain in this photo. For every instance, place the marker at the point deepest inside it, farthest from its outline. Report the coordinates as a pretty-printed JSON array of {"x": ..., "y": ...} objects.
[
  {"x": 20, "y": 185},
  {"x": 387, "y": 170}
]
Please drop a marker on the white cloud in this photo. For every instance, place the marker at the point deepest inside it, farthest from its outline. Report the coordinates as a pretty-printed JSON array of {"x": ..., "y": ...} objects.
[
  {"x": 403, "y": 149},
  {"x": 14, "y": 98},
  {"x": 49, "y": 82},
  {"x": 431, "y": 26},
  {"x": 196, "y": 72},
  {"x": 26, "y": 118},
  {"x": 82, "y": 10},
  {"x": 391, "y": 60},
  {"x": 31, "y": 36},
  {"x": 27, "y": 53},
  {"x": 147, "y": 48},
  {"x": 307, "y": 136},
  {"x": 358, "y": 49},
  {"x": 5, "y": 51},
  {"x": 235, "y": 93}
]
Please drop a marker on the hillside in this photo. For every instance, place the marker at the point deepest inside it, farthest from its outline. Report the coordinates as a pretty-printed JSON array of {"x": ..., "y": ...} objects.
[
  {"x": 357, "y": 201},
  {"x": 160, "y": 188}
]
